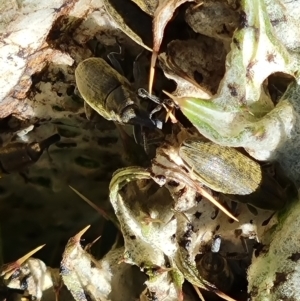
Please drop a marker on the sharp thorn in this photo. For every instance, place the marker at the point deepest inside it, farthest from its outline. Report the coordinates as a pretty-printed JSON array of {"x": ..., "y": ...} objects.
[{"x": 78, "y": 236}]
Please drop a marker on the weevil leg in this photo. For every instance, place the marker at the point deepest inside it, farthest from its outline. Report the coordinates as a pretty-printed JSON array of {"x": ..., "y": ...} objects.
[
  {"x": 252, "y": 209},
  {"x": 137, "y": 72},
  {"x": 139, "y": 75},
  {"x": 87, "y": 109},
  {"x": 44, "y": 144},
  {"x": 143, "y": 120},
  {"x": 140, "y": 138},
  {"x": 24, "y": 177},
  {"x": 234, "y": 206},
  {"x": 145, "y": 141},
  {"x": 114, "y": 61},
  {"x": 137, "y": 134},
  {"x": 143, "y": 93},
  {"x": 89, "y": 112},
  {"x": 244, "y": 244},
  {"x": 168, "y": 104},
  {"x": 48, "y": 155},
  {"x": 96, "y": 47},
  {"x": 155, "y": 110}
]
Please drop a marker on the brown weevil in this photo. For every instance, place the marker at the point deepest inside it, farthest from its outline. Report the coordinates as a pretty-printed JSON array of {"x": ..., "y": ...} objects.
[
  {"x": 226, "y": 170},
  {"x": 110, "y": 94},
  {"x": 16, "y": 156},
  {"x": 213, "y": 267}
]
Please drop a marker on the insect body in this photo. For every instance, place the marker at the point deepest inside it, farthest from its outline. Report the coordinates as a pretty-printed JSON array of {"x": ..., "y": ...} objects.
[
  {"x": 17, "y": 156},
  {"x": 110, "y": 94},
  {"x": 228, "y": 171},
  {"x": 214, "y": 267},
  {"x": 221, "y": 168}
]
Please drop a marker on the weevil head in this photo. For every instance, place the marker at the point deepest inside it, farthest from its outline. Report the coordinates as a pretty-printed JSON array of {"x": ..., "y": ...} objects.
[{"x": 124, "y": 107}]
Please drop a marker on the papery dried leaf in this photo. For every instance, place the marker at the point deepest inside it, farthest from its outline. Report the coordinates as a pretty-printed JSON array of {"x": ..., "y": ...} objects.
[
  {"x": 200, "y": 61},
  {"x": 35, "y": 278},
  {"x": 163, "y": 14},
  {"x": 87, "y": 277},
  {"x": 214, "y": 18},
  {"x": 129, "y": 18},
  {"x": 148, "y": 6},
  {"x": 76, "y": 270},
  {"x": 144, "y": 243},
  {"x": 241, "y": 113},
  {"x": 186, "y": 86},
  {"x": 8, "y": 269},
  {"x": 147, "y": 223},
  {"x": 147, "y": 227}
]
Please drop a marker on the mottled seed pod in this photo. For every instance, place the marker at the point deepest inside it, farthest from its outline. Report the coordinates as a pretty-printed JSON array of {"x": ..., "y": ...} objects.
[
  {"x": 110, "y": 94},
  {"x": 17, "y": 156},
  {"x": 221, "y": 168}
]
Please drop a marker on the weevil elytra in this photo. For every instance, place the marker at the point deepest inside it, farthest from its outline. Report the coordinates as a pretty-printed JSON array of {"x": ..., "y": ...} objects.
[
  {"x": 110, "y": 94},
  {"x": 222, "y": 169},
  {"x": 16, "y": 156},
  {"x": 228, "y": 171}
]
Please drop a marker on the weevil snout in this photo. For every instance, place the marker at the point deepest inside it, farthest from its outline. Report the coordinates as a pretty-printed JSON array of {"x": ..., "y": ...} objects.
[{"x": 149, "y": 123}]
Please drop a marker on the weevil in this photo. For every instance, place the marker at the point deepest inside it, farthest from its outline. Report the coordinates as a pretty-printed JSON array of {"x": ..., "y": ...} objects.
[
  {"x": 213, "y": 267},
  {"x": 226, "y": 170},
  {"x": 16, "y": 156},
  {"x": 111, "y": 94}
]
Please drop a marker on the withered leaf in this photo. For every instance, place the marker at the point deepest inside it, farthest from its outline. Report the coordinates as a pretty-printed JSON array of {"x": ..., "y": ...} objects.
[
  {"x": 90, "y": 279},
  {"x": 129, "y": 18},
  {"x": 162, "y": 16},
  {"x": 214, "y": 18},
  {"x": 186, "y": 86},
  {"x": 148, "y": 6}
]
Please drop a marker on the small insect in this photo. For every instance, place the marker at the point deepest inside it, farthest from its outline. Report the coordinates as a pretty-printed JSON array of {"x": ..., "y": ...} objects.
[
  {"x": 226, "y": 170},
  {"x": 151, "y": 296},
  {"x": 237, "y": 44},
  {"x": 215, "y": 268},
  {"x": 249, "y": 71},
  {"x": 16, "y": 156},
  {"x": 243, "y": 20},
  {"x": 185, "y": 243},
  {"x": 110, "y": 94},
  {"x": 270, "y": 57},
  {"x": 232, "y": 90}
]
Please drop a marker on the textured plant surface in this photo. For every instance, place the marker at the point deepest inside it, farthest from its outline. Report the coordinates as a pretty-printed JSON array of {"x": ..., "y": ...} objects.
[{"x": 236, "y": 69}]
